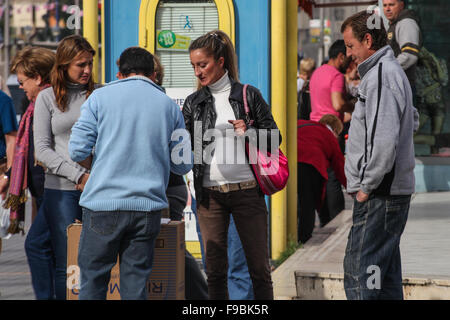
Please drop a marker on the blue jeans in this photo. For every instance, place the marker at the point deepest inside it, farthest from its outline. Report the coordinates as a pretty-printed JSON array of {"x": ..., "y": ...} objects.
[
  {"x": 240, "y": 285},
  {"x": 60, "y": 208},
  {"x": 372, "y": 262},
  {"x": 40, "y": 256},
  {"x": 105, "y": 235}
]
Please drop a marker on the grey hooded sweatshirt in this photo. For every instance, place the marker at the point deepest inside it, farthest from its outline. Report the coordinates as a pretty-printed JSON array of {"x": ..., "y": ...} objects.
[{"x": 380, "y": 149}]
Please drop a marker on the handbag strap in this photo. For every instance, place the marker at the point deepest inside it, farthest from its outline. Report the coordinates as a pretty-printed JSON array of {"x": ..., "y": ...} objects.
[
  {"x": 244, "y": 93},
  {"x": 246, "y": 108}
]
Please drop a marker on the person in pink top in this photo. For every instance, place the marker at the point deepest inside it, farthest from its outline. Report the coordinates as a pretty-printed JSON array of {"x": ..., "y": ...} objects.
[
  {"x": 327, "y": 85},
  {"x": 329, "y": 96}
]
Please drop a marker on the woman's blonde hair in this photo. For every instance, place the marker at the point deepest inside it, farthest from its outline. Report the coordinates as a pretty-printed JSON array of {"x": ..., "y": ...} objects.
[
  {"x": 217, "y": 44},
  {"x": 68, "y": 49},
  {"x": 33, "y": 62},
  {"x": 333, "y": 122},
  {"x": 307, "y": 66}
]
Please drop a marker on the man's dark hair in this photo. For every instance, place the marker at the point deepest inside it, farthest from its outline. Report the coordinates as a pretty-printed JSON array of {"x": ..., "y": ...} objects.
[
  {"x": 360, "y": 27},
  {"x": 337, "y": 47},
  {"x": 136, "y": 60}
]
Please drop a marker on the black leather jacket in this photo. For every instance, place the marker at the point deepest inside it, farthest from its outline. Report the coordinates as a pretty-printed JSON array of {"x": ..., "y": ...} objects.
[{"x": 199, "y": 106}]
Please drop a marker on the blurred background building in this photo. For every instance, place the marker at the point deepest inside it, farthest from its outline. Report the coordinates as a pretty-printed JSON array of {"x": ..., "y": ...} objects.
[
  {"x": 45, "y": 22},
  {"x": 319, "y": 24}
]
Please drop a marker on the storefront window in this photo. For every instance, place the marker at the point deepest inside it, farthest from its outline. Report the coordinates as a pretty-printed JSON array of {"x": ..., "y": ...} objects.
[
  {"x": 432, "y": 79},
  {"x": 177, "y": 24}
]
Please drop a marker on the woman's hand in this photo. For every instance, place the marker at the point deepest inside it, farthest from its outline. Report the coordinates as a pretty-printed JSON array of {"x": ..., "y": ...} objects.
[
  {"x": 4, "y": 184},
  {"x": 239, "y": 126},
  {"x": 82, "y": 182}
]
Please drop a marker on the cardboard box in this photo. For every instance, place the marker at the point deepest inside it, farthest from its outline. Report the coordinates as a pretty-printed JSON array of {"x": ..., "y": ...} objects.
[{"x": 166, "y": 281}]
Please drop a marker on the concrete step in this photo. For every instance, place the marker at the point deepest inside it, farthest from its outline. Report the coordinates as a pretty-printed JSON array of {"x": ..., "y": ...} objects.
[
  {"x": 330, "y": 286},
  {"x": 315, "y": 271}
]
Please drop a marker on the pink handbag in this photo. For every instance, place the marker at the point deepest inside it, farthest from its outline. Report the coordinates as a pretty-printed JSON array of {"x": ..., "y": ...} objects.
[{"x": 271, "y": 171}]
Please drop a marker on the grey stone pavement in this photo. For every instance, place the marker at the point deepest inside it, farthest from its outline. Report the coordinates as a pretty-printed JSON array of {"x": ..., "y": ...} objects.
[
  {"x": 15, "y": 278},
  {"x": 425, "y": 247}
]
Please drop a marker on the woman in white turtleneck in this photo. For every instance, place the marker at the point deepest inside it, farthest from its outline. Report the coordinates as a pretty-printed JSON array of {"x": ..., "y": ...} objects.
[
  {"x": 223, "y": 180},
  {"x": 224, "y": 167}
]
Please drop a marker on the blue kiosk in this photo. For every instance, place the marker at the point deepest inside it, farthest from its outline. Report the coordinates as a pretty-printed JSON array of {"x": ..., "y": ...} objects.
[{"x": 264, "y": 33}]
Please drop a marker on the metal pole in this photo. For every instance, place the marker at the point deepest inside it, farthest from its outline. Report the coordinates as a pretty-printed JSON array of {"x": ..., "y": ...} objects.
[
  {"x": 58, "y": 32},
  {"x": 291, "y": 123},
  {"x": 90, "y": 29},
  {"x": 279, "y": 106},
  {"x": 6, "y": 43},
  {"x": 321, "y": 49},
  {"x": 77, "y": 31},
  {"x": 344, "y": 4}
]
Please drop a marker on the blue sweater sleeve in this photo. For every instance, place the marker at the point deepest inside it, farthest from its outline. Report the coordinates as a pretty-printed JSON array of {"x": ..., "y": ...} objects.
[
  {"x": 181, "y": 156},
  {"x": 7, "y": 115},
  {"x": 84, "y": 132}
]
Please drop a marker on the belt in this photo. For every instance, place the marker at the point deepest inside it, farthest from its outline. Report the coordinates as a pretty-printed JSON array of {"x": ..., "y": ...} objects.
[{"x": 228, "y": 187}]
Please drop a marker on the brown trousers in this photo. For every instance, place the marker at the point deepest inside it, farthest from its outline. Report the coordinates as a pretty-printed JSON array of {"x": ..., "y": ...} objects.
[{"x": 251, "y": 218}]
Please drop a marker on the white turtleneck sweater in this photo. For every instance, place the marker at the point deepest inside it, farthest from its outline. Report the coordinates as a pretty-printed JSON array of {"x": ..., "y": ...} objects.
[{"x": 228, "y": 162}]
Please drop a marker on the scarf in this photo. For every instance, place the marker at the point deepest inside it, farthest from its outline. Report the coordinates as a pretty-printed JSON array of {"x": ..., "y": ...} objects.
[{"x": 17, "y": 195}]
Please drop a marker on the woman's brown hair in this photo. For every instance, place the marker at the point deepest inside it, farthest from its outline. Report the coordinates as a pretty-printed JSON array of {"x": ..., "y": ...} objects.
[
  {"x": 68, "y": 49},
  {"x": 217, "y": 44},
  {"x": 33, "y": 62},
  {"x": 334, "y": 122}
]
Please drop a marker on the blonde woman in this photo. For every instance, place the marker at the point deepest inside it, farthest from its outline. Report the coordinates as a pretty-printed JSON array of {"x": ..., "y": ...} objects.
[{"x": 32, "y": 65}]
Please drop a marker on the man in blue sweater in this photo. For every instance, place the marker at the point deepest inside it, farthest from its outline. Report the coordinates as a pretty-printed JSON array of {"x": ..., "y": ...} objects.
[{"x": 135, "y": 129}]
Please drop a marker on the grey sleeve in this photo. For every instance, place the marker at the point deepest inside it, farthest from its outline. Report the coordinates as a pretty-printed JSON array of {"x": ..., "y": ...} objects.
[
  {"x": 407, "y": 34},
  {"x": 44, "y": 143}
]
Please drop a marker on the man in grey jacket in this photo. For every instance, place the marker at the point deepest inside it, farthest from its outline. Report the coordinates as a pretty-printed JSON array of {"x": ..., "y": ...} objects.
[
  {"x": 379, "y": 165},
  {"x": 403, "y": 35}
]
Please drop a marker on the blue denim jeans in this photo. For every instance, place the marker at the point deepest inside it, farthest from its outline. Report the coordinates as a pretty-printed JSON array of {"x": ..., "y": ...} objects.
[
  {"x": 372, "y": 262},
  {"x": 60, "y": 208},
  {"x": 240, "y": 285},
  {"x": 105, "y": 235},
  {"x": 40, "y": 256}
]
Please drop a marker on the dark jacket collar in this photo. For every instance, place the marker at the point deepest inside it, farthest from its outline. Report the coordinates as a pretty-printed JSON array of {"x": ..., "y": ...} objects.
[{"x": 374, "y": 59}]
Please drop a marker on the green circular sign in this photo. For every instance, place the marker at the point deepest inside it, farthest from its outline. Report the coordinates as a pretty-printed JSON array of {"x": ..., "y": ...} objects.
[{"x": 166, "y": 38}]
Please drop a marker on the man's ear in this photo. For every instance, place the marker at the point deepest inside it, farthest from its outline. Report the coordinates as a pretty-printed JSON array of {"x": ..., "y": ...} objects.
[
  {"x": 119, "y": 76},
  {"x": 368, "y": 40}
]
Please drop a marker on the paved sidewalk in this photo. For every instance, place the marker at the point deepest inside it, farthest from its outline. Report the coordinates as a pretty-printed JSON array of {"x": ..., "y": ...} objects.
[
  {"x": 15, "y": 278},
  {"x": 424, "y": 248}
]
